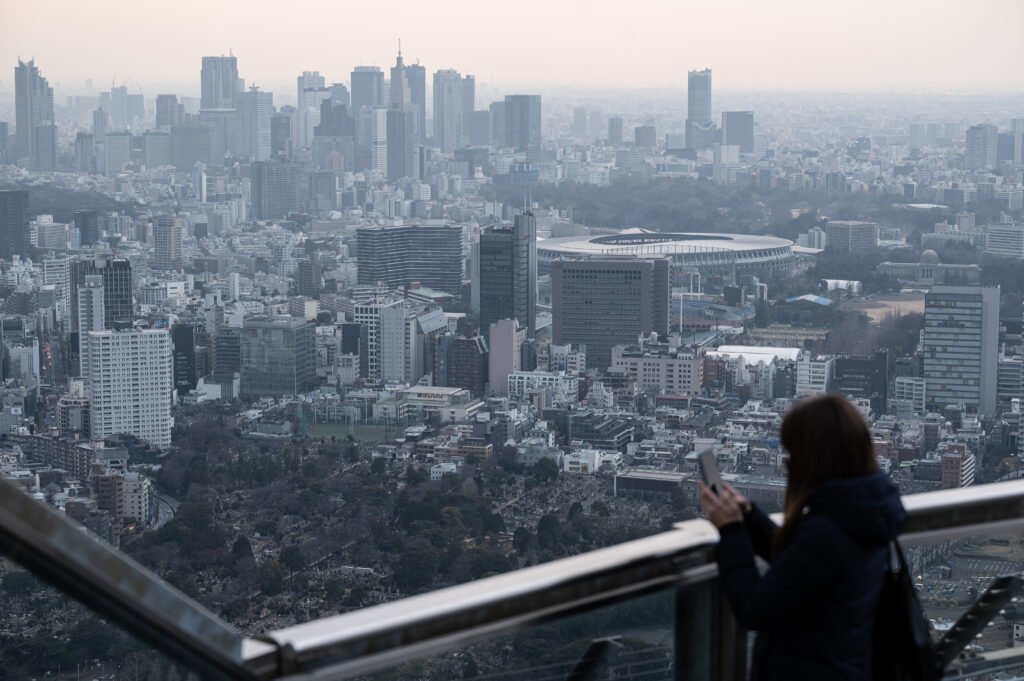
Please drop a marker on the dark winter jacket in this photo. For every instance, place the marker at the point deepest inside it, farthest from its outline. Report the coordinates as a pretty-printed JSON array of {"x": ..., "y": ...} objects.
[{"x": 814, "y": 609}]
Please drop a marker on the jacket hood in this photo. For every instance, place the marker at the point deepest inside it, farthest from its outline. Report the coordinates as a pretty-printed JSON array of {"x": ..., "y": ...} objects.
[{"x": 866, "y": 508}]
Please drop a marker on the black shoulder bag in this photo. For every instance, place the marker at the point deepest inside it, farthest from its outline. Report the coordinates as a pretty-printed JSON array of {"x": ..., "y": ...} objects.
[{"x": 903, "y": 647}]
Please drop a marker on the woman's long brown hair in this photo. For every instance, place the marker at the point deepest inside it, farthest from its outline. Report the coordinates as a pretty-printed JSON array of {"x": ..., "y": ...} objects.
[{"x": 827, "y": 439}]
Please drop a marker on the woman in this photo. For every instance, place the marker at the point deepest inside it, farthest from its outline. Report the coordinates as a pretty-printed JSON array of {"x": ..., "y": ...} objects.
[{"x": 814, "y": 609}]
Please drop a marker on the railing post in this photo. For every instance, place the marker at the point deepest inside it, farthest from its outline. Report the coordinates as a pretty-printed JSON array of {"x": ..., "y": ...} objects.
[
  {"x": 709, "y": 643},
  {"x": 695, "y": 628}
]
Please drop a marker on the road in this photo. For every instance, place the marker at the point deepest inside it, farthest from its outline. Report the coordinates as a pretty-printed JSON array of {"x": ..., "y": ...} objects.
[{"x": 165, "y": 508}]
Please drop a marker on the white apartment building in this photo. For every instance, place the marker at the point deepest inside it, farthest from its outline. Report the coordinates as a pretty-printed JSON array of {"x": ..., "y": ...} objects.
[
  {"x": 813, "y": 375},
  {"x": 523, "y": 383},
  {"x": 130, "y": 384},
  {"x": 664, "y": 373},
  {"x": 138, "y": 497},
  {"x": 385, "y": 337},
  {"x": 911, "y": 389},
  {"x": 1005, "y": 240}
]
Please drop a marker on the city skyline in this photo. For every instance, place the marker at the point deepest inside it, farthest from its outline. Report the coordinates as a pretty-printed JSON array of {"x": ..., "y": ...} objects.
[{"x": 799, "y": 46}]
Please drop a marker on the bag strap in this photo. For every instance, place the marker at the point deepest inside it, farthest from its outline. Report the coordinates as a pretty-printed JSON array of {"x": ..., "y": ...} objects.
[{"x": 895, "y": 548}]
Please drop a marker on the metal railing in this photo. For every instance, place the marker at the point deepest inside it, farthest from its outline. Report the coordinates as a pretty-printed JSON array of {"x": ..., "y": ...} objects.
[{"x": 708, "y": 645}]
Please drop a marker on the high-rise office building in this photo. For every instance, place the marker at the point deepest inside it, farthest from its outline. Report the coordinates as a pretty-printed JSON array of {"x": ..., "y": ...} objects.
[
  {"x": 738, "y": 129},
  {"x": 281, "y": 135},
  {"x": 700, "y": 129},
  {"x": 505, "y": 339},
  {"x": 100, "y": 124},
  {"x": 522, "y": 125},
  {"x": 118, "y": 303},
  {"x": 5, "y": 142},
  {"x": 44, "y": 147},
  {"x": 340, "y": 94},
  {"x": 961, "y": 348},
  {"x": 580, "y": 121},
  {"x": 307, "y": 118},
  {"x": 367, "y": 86},
  {"x": 851, "y": 236},
  {"x": 498, "y": 123},
  {"x": 982, "y": 145},
  {"x": 169, "y": 239},
  {"x": 255, "y": 110},
  {"x": 278, "y": 356},
  {"x": 605, "y": 301},
  {"x": 448, "y": 110},
  {"x": 379, "y": 139},
  {"x": 117, "y": 152},
  {"x": 467, "y": 363},
  {"x": 401, "y": 143},
  {"x": 468, "y": 98},
  {"x": 90, "y": 316},
  {"x": 480, "y": 129},
  {"x": 219, "y": 83},
  {"x": 273, "y": 190},
  {"x": 14, "y": 232},
  {"x": 87, "y": 222},
  {"x": 399, "y": 255},
  {"x": 183, "y": 345},
  {"x": 508, "y": 273},
  {"x": 168, "y": 111},
  {"x": 645, "y": 137},
  {"x": 416, "y": 74},
  {"x": 85, "y": 156},
  {"x": 309, "y": 80},
  {"x": 33, "y": 107},
  {"x": 156, "y": 147},
  {"x": 190, "y": 144},
  {"x": 400, "y": 96},
  {"x": 615, "y": 131},
  {"x": 130, "y": 384},
  {"x": 384, "y": 321}
]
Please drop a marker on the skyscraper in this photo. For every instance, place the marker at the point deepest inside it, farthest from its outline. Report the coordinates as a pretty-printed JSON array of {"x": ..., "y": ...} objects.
[
  {"x": 522, "y": 125},
  {"x": 982, "y": 141},
  {"x": 384, "y": 321},
  {"x": 505, "y": 340},
  {"x": 738, "y": 128},
  {"x": 468, "y": 97},
  {"x": 367, "y": 86},
  {"x": 117, "y": 152},
  {"x": 118, "y": 306},
  {"x": 33, "y": 107},
  {"x": 130, "y": 384},
  {"x": 273, "y": 190},
  {"x": 615, "y": 131},
  {"x": 448, "y": 110},
  {"x": 219, "y": 83},
  {"x": 309, "y": 80},
  {"x": 416, "y": 74},
  {"x": 579, "y": 123},
  {"x": 508, "y": 273},
  {"x": 400, "y": 96},
  {"x": 14, "y": 235},
  {"x": 379, "y": 139},
  {"x": 498, "y": 123},
  {"x": 278, "y": 356},
  {"x": 168, "y": 111},
  {"x": 90, "y": 316},
  {"x": 44, "y": 147},
  {"x": 87, "y": 222},
  {"x": 169, "y": 239},
  {"x": 700, "y": 129},
  {"x": 401, "y": 143},
  {"x": 396, "y": 256},
  {"x": 605, "y": 301},
  {"x": 961, "y": 347},
  {"x": 255, "y": 110}
]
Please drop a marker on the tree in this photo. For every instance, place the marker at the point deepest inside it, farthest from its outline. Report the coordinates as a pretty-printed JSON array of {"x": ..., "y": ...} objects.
[
  {"x": 417, "y": 567},
  {"x": 242, "y": 548},
  {"x": 271, "y": 578},
  {"x": 523, "y": 540},
  {"x": 549, "y": 532},
  {"x": 545, "y": 469},
  {"x": 599, "y": 508},
  {"x": 293, "y": 558}
]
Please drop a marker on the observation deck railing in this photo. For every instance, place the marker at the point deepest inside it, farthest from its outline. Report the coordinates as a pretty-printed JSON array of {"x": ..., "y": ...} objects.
[{"x": 707, "y": 642}]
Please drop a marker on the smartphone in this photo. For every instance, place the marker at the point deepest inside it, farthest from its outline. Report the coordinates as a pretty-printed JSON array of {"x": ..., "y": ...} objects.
[{"x": 709, "y": 471}]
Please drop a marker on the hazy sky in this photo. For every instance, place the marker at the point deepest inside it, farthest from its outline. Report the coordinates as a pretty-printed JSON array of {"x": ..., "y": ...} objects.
[{"x": 877, "y": 45}]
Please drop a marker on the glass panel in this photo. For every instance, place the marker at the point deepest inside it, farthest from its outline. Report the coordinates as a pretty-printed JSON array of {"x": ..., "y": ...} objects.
[{"x": 44, "y": 634}]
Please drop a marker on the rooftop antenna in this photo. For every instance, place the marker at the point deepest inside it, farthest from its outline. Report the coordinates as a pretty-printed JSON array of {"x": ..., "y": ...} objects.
[{"x": 399, "y": 48}]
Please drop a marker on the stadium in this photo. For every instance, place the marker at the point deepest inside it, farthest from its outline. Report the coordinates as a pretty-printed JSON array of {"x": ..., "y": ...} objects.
[{"x": 723, "y": 257}]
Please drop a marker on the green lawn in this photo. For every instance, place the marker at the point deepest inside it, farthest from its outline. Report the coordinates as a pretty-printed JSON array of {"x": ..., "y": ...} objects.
[{"x": 360, "y": 431}]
